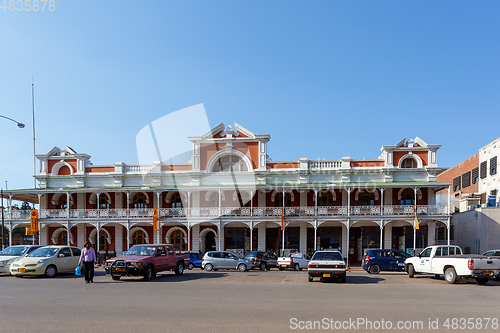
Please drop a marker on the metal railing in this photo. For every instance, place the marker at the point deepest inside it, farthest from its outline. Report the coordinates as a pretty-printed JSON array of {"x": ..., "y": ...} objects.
[{"x": 211, "y": 212}]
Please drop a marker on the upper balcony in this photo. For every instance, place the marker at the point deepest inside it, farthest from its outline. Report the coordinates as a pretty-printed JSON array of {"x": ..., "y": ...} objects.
[{"x": 385, "y": 211}]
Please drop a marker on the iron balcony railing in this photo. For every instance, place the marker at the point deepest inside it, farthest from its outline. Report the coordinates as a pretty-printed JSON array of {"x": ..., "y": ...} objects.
[{"x": 213, "y": 212}]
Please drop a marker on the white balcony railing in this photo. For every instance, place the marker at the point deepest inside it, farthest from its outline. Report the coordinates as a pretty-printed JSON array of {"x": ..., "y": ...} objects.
[
  {"x": 324, "y": 165},
  {"x": 213, "y": 212}
]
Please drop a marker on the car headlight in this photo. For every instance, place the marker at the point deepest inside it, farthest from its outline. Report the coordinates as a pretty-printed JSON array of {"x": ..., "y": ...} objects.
[
  {"x": 3, "y": 262},
  {"x": 41, "y": 261}
]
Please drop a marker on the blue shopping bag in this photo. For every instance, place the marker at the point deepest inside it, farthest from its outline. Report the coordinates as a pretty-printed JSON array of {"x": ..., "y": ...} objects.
[{"x": 78, "y": 271}]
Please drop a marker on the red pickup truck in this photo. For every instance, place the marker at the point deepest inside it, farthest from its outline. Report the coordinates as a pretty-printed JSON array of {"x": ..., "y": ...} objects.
[{"x": 146, "y": 260}]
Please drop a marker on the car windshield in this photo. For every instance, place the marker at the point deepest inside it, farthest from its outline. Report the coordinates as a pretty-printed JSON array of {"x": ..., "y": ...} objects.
[
  {"x": 14, "y": 251},
  {"x": 327, "y": 256},
  {"x": 296, "y": 256},
  {"x": 141, "y": 250},
  {"x": 44, "y": 252}
]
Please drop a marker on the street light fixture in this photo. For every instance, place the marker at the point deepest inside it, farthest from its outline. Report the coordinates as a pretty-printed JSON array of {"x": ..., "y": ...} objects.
[{"x": 20, "y": 125}]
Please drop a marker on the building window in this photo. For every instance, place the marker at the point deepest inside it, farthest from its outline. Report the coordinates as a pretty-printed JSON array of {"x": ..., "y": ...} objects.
[
  {"x": 325, "y": 199},
  {"x": 493, "y": 165},
  {"x": 177, "y": 240},
  {"x": 176, "y": 200},
  {"x": 278, "y": 200},
  {"x": 139, "y": 237},
  {"x": 62, "y": 238},
  {"x": 62, "y": 203},
  {"x": 409, "y": 163},
  {"x": 484, "y": 167},
  {"x": 213, "y": 199},
  {"x": 103, "y": 241},
  {"x": 466, "y": 179},
  {"x": 103, "y": 201},
  {"x": 456, "y": 184},
  {"x": 366, "y": 199},
  {"x": 475, "y": 175},
  {"x": 408, "y": 197},
  {"x": 139, "y": 201},
  {"x": 230, "y": 163}
]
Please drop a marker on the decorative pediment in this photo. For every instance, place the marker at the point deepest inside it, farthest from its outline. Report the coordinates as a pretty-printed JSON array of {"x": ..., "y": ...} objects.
[{"x": 56, "y": 151}]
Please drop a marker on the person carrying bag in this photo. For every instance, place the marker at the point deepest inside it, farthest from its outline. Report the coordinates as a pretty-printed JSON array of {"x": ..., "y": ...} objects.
[{"x": 88, "y": 259}]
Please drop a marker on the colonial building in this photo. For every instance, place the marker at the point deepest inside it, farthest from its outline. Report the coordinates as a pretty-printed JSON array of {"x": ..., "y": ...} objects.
[{"x": 231, "y": 195}]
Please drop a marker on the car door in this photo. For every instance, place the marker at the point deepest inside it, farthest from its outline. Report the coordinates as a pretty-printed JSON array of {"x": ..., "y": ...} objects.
[
  {"x": 169, "y": 261},
  {"x": 216, "y": 260},
  {"x": 161, "y": 259},
  {"x": 76, "y": 257},
  {"x": 231, "y": 261},
  {"x": 399, "y": 258},
  {"x": 424, "y": 261},
  {"x": 63, "y": 260}
]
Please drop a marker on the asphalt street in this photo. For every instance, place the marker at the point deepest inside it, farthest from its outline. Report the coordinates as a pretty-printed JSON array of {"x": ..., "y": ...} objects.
[{"x": 254, "y": 301}]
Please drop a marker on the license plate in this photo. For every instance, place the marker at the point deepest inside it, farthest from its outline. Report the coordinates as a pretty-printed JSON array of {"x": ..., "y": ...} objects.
[
  {"x": 487, "y": 272},
  {"x": 326, "y": 274},
  {"x": 283, "y": 265},
  {"x": 22, "y": 270},
  {"x": 120, "y": 269}
]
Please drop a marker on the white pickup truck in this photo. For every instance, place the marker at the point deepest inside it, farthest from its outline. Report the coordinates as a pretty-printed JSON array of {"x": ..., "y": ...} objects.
[
  {"x": 450, "y": 261},
  {"x": 297, "y": 261}
]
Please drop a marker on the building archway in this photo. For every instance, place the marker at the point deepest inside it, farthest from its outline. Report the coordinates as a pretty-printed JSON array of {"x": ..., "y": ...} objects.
[{"x": 208, "y": 240}]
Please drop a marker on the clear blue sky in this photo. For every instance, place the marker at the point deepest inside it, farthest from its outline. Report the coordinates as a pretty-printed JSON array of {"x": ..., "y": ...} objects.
[{"x": 325, "y": 79}]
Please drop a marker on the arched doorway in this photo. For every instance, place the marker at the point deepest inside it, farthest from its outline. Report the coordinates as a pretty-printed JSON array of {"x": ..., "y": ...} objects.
[
  {"x": 139, "y": 237},
  {"x": 177, "y": 240},
  {"x": 210, "y": 242},
  {"x": 62, "y": 238}
]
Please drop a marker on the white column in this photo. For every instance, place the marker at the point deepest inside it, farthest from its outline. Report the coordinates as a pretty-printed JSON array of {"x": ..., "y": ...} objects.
[
  {"x": 119, "y": 239},
  {"x": 189, "y": 237},
  {"x": 261, "y": 241},
  {"x": 315, "y": 235},
  {"x": 345, "y": 241},
  {"x": 10, "y": 235},
  {"x": 80, "y": 230},
  {"x": 381, "y": 234},
  {"x": 449, "y": 226},
  {"x": 44, "y": 235},
  {"x": 196, "y": 237},
  {"x": 220, "y": 243},
  {"x": 68, "y": 231},
  {"x": 388, "y": 236},
  {"x": 303, "y": 237},
  {"x": 431, "y": 233},
  {"x": 128, "y": 236}
]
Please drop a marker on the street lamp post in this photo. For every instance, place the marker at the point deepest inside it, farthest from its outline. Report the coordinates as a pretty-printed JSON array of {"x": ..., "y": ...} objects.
[{"x": 20, "y": 125}]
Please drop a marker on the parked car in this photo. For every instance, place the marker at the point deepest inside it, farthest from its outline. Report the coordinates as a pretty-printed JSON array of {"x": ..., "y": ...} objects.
[
  {"x": 48, "y": 261},
  {"x": 384, "y": 260},
  {"x": 262, "y": 260},
  {"x": 195, "y": 260},
  {"x": 327, "y": 264},
  {"x": 297, "y": 261},
  {"x": 450, "y": 261},
  {"x": 147, "y": 260},
  {"x": 492, "y": 253},
  {"x": 215, "y": 260},
  {"x": 12, "y": 253}
]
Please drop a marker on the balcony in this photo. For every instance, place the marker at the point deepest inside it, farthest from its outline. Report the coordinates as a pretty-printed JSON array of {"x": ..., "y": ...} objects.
[{"x": 215, "y": 212}]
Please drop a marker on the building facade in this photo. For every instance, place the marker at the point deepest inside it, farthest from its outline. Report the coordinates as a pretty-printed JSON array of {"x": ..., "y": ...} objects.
[{"x": 231, "y": 195}]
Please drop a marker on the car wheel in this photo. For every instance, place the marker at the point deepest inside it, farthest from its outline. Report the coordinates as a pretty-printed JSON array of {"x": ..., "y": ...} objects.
[
  {"x": 296, "y": 267},
  {"x": 374, "y": 269},
  {"x": 51, "y": 271},
  {"x": 263, "y": 266},
  {"x": 242, "y": 267},
  {"x": 209, "y": 267},
  {"x": 115, "y": 278},
  {"x": 280, "y": 268},
  {"x": 482, "y": 281},
  {"x": 179, "y": 269},
  {"x": 190, "y": 266},
  {"x": 311, "y": 278},
  {"x": 411, "y": 271},
  {"x": 451, "y": 275},
  {"x": 148, "y": 273}
]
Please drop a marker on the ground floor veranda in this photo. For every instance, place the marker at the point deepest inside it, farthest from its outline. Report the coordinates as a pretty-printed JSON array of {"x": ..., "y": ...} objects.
[{"x": 351, "y": 237}]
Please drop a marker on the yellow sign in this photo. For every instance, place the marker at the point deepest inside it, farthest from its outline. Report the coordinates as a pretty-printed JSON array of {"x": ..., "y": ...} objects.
[
  {"x": 34, "y": 220},
  {"x": 155, "y": 219},
  {"x": 416, "y": 219},
  {"x": 28, "y": 232}
]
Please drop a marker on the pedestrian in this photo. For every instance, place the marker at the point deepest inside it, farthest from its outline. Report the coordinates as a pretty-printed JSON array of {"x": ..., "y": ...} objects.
[{"x": 88, "y": 259}]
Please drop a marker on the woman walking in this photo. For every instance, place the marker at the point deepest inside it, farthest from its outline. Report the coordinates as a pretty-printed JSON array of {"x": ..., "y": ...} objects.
[{"x": 88, "y": 259}]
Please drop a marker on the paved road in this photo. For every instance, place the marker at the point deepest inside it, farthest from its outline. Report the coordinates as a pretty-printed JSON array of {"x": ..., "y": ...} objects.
[{"x": 229, "y": 301}]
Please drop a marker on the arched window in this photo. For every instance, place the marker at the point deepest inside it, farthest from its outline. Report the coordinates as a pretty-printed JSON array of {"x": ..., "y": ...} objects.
[
  {"x": 177, "y": 240},
  {"x": 407, "y": 197},
  {"x": 62, "y": 203},
  {"x": 325, "y": 199},
  {"x": 409, "y": 163},
  {"x": 366, "y": 199},
  {"x": 139, "y": 201},
  {"x": 103, "y": 201},
  {"x": 62, "y": 238},
  {"x": 103, "y": 240},
  {"x": 139, "y": 237},
  {"x": 230, "y": 163},
  {"x": 213, "y": 200},
  {"x": 176, "y": 200},
  {"x": 278, "y": 200}
]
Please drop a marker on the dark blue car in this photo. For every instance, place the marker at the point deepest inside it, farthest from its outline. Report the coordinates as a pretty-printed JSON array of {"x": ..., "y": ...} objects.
[
  {"x": 377, "y": 260},
  {"x": 195, "y": 260}
]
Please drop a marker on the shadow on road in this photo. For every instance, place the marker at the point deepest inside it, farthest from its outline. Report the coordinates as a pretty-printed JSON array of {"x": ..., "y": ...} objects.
[
  {"x": 171, "y": 277},
  {"x": 352, "y": 280}
]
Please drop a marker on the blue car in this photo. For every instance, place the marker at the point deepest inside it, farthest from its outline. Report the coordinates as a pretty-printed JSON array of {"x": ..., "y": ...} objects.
[
  {"x": 377, "y": 260},
  {"x": 195, "y": 260}
]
